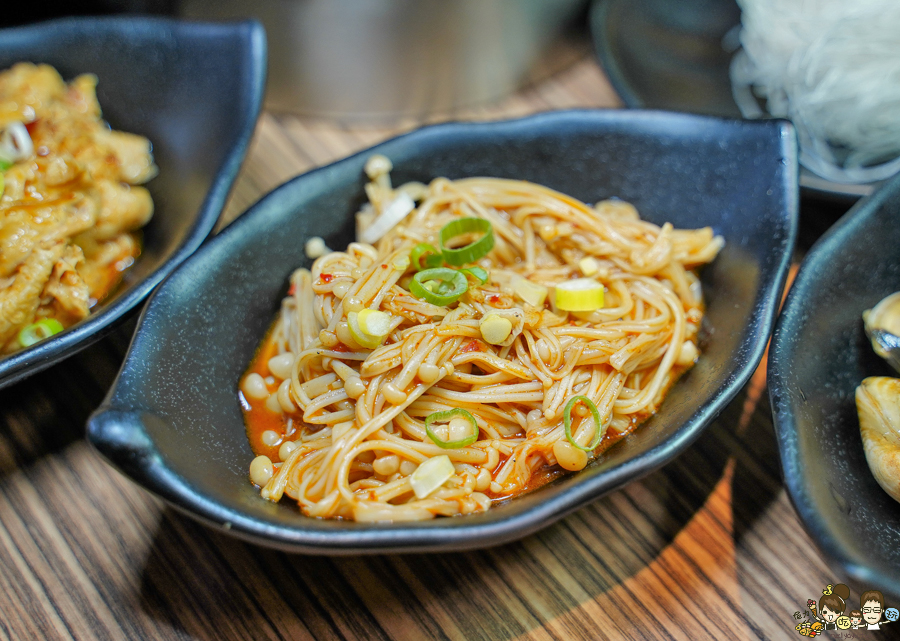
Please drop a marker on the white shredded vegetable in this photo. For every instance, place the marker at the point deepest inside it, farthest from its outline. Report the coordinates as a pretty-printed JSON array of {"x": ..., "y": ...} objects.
[
  {"x": 833, "y": 68},
  {"x": 397, "y": 210}
]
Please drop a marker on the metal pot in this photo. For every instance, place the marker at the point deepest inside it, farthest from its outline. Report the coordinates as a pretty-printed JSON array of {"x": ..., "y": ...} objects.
[{"x": 359, "y": 59}]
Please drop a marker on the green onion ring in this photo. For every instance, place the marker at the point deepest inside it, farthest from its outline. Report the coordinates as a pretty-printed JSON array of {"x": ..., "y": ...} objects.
[
  {"x": 452, "y": 285},
  {"x": 446, "y": 416},
  {"x": 567, "y": 422},
  {"x": 471, "y": 252},
  {"x": 365, "y": 340},
  {"x": 36, "y": 332},
  {"x": 478, "y": 273},
  {"x": 430, "y": 253}
]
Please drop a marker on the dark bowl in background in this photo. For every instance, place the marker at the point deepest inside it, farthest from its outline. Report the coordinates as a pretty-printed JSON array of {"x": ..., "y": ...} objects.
[
  {"x": 819, "y": 355},
  {"x": 172, "y": 421},
  {"x": 194, "y": 89},
  {"x": 665, "y": 54}
]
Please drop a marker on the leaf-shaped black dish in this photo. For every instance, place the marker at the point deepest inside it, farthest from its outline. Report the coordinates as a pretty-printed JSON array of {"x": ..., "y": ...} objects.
[
  {"x": 172, "y": 421},
  {"x": 819, "y": 355},
  {"x": 194, "y": 89}
]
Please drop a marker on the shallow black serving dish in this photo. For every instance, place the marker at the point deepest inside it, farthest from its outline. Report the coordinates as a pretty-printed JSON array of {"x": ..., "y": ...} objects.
[
  {"x": 172, "y": 420},
  {"x": 819, "y": 356},
  {"x": 194, "y": 89}
]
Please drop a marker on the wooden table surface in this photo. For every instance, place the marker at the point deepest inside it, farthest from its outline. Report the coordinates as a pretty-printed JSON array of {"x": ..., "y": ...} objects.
[{"x": 707, "y": 547}]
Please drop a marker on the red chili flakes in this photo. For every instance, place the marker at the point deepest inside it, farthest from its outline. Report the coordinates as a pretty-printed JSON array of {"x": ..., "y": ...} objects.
[
  {"x": 292, "y": 289},
  {"x": 493, "y": 298},
  {"x": 473, "y": 345},
  {"x": 384, "y": 267},
  {"x": 326, "y": 278},
  {"x": 340, "y": 347}
]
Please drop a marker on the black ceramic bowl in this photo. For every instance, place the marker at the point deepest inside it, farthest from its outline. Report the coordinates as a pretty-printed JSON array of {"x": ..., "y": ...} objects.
[
  {"x": 172, "y": 421},
  {"x": 660, "y": 54},
  {"x": 819, "y": 356},
  {"x": 193, "y": 89}
]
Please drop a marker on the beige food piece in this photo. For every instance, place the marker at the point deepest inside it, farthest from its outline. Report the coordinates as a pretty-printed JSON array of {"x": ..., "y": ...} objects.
[
  {"x": 494, "y": 329},
  {"x": 100, "y": 256},
  {"x": 66, "y": 289},
  {"x": 60, "y": 170},
  {"x": 133, "y": 154},
  {"x": 884, "y": 317},
  {"x": 21, "y": 229},
  {"x": 878, "y": 406},
  {"x": 33, "y": 86},
  {"x": 516, "y": 318},
  {"x": 24, "y": 227},
  {"x": 82, "y": 95},
  {"x": 76, "y": 190},
  {"x": 122, "y": 208},
  {"x": 19, "y": 301},
  {"x": 15, "y": 178}
]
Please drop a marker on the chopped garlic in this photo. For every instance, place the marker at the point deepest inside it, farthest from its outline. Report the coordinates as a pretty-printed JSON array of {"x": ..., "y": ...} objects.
[
  {"x": 588, "y": 266},
  {"x": 430, "y": 475},
  {"x": 531, "y": 293},
  {"x": 495, "y": 329},
  {"x": 339, "y": 430}
]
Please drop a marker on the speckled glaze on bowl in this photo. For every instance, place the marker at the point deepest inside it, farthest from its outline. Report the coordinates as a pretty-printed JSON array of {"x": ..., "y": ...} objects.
[
  {"x": 172, "y": 420},
  {"x": 194, "y": 89},
  {"x": 819, "y": 355}
]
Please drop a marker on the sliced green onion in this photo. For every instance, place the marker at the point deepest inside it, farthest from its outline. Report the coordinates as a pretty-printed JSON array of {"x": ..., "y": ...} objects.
[
  {"x": 432, "y": 257},
  {"x": 5, "y": 164},
  {"x": 579, "y": 295},
  {"x": 567, "y": 422},
  {"x": 38, "y": 331},
  {"x": 365, "y": 340},
  {"x": 2, "y": 185},
  {"x": 473, "y": 251},
  {"x": 451, "y": 284},
  {"x": 374, "y": 322},
  {"x": 478, "y": 273},
  {"x": 15, "y": 142},
  {"x": 446, "y": 416}
]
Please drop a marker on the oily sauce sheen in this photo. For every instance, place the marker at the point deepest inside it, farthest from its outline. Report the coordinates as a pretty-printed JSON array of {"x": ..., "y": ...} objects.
[{"x": 259, "y": 419}]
